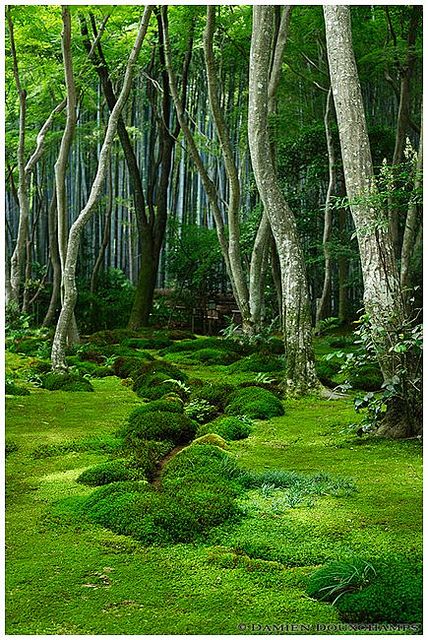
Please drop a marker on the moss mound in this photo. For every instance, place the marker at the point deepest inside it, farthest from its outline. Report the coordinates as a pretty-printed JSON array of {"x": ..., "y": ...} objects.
[
  {"x": 254, "y": 402},
  {"x": 12, "y": 389},
  {"x": 229, "y": 428},
  {"x": 216, "y": 394},
  {"x": 158, "y": 425},
  {"x": 259, "y": 363},
  {"x": 193, "y": 499},
  {"x": 130, "y": 366},
  {"x": 154, "y": 380},
  {"x": 388, "y": 589},
  {"x": 326, "y": 370},
  {"x": 114, "y": 336},
  {"x": 211, "y": 438},
  {"x": 107, "y": 472},
  {"x": 202, "y": 344},
  {"x": 65, "y": 382},
  {"x": 215, "y": 356},
  {"x": 155, "y": 342}
]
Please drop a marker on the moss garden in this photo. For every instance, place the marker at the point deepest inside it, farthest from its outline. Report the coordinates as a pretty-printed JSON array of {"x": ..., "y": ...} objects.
[{"x": 164, "y": 486}]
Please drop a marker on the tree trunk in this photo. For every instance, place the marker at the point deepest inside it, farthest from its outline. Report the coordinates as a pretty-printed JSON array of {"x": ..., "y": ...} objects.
[
  {"x": 143, "y": 300},
  {"x": 382, "y": 295},
  {"x": 410, "y": 229},
  {"x": 56, "y": 264},
  {"x": 324, "y": 306},
  {"x": 300, "y": 367},
  {"x": 69, "y": 273},
  {"x": 343, "y": 269}
]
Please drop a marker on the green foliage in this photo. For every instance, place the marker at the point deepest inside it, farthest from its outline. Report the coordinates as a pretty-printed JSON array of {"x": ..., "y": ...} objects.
[
  {"x": 367, "y": 377},
  {"x": 173, "y": 405},
  {"x": 109, "y": 307},
  {"x": 158, "y": 425},
  {"x": 107, "y": 472},
  {"x": 254, "y": 402},
  {"x": 388, "y": 589},
  {"x": 147, "y": 454},
  {"x": 212, "y": 439},
  {"x": 215, "y": 356},
  {"x": 325, "y": 370},
  {"x": 147, "y": 343},
  {"x": 65, "y": 382},
  {"x": 112, "y": 336},
  {"x": 200, "y": 410},
  {"x": 129, "y": 366},
  {"x": 216, "y": 394},
  {"x": 202, "y": 344},
  {"x": 229, "y": 428},
  {"x": 10, "y": 446},
  {"x": 258, "y": 363},
  {"x": 155, "y": 379},
  {"x": 341, "y": 577},
  {"x": 105, "y": 443},
  {"x": 13, "y": 389}
]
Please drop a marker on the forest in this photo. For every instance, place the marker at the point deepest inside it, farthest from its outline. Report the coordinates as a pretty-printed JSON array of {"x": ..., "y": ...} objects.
[{"x": 213, "y": 319}]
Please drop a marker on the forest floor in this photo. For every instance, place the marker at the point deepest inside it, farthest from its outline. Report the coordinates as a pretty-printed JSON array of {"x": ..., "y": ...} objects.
[{"x": 72, "y": 577}]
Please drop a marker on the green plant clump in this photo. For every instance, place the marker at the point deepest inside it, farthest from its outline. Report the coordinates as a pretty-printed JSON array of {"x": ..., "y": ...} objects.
[
  {"x": 65, "y": 382},
  {"x": 254, "y": 402},
  {"x": 215, "y": 356},
  {"x": 158, "y": 425},
  {"x": 258, "y": 362},
  {"x": 107, "y": 472},
  {"x": 388, "y": 589},
  {"x": 325, "y": 370},
  {"x": 229, "y": 428},
  {"x": 216, "y": 394},
  {"x": 13, "y": 389}
]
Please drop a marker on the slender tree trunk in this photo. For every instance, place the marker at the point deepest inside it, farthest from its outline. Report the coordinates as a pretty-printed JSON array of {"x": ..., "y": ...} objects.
[
  {"x": 258, "y": 266},
  {"x": 54, "y": 302},
  {"x": 106, "y": 234},
  {"x": 69, "y": 274},
  {"x": 410, "y": 229},
  {"x": 300, "y": 367},
  {"x": 324, "y": 306},
  {"x": 343, "y": 269},
  {"x": 382, "y": 294}
]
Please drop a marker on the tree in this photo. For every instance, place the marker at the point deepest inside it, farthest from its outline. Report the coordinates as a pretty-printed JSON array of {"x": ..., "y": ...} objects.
[
  {"x": 300, "y": 369},
  {"x": 69, "y": 271},
  {"x": 383, "y": 299},
  {"x": 25, "y": 168}
]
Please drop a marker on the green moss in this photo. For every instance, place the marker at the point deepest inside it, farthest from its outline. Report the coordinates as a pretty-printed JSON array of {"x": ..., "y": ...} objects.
[
  {"x": 254, "y": 402},
  {"x": 216, "y": 394},
  {"x": 115, "y": 336},
  {"x": 231, "y": 428},
  {"x": 107, "y": 472},
  {"x": 65, "y": 382},
  {"x": 211, "y": 438},
  {"x": 158, "y": 425},
  {"x": 215, "y": 356},
  {"x": 12, "y": 389},
  {"x": 258, "y": 363}
]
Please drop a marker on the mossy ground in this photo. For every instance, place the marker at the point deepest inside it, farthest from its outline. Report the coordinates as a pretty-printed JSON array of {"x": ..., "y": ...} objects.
[{"x": 67, "y": 576}]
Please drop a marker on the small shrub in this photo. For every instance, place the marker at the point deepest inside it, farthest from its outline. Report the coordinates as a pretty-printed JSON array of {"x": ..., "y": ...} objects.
[
  {"x": 159, "y": 425},
  {"x": 254, "y": 402},
  {"x": 232, "y": 428},
  {"x": 107, "y": 472},
  {"x": 12, "y": 389},
  {"x": 65, "y": 382},
  {"x": 258, "y": 363},
  {"x": 367, "y": 378}
]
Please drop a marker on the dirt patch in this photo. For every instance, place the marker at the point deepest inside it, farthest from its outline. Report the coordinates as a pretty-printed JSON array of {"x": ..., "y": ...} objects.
[{"x": 156, "y": 481}]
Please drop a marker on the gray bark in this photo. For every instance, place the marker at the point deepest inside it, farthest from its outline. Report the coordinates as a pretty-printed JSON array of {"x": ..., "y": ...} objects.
[
  {"x": 323, "y": 306},
  {"x": 410, "y": 229},
  {"x": 382, "y": 294},
  {"x": 300, "y": 368},
  {"x": 69, "y": 273}
]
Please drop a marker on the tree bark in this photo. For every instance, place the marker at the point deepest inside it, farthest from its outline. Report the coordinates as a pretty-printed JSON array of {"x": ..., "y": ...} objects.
[
  {"x": 300, "y": 368},
  {"x": 324, "y": 306},
  {"x": 382, "y": 294},
  {"x": 69, "y": 273},
  {"x": 54, "y": 302},
  {"x": 410, "y": 229}
]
